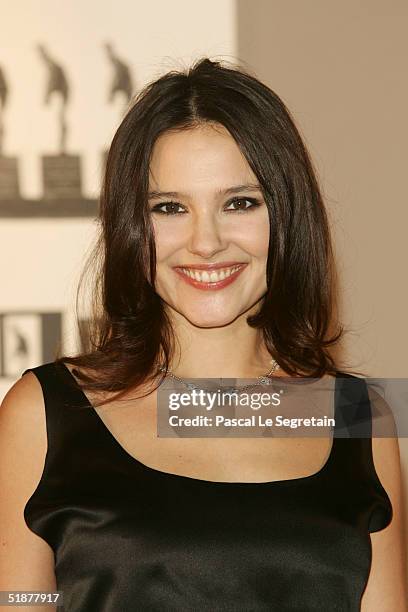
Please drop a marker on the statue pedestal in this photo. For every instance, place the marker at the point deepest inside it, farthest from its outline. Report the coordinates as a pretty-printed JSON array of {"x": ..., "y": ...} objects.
[
  {"x": 61, "y": 177},
  {"x": 9, "y": 183},
  {"x": 104, "y": 159}
]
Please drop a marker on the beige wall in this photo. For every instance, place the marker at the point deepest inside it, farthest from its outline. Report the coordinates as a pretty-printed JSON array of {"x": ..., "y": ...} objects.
[
  {"x": 341, "y": 69},
  {"x": 41, "y": 259},
  {"x": 150, "y": 36}
]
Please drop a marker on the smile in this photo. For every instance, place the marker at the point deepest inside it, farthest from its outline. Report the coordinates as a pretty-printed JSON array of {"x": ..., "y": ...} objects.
[{"x": 214, "y": 279}]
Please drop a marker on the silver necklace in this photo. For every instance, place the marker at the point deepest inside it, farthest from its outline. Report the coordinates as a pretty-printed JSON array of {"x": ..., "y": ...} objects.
[{"x": 264, "y": 380}]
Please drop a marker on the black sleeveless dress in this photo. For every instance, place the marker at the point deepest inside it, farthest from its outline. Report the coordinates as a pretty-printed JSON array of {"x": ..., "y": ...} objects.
[{"x": 127, "y": 537}]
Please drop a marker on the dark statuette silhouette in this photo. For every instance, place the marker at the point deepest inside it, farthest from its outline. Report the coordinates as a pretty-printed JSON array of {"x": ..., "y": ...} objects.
[
  {"x": 56, "y": 84},
  {"x": 61, "y": 172},
  {"x": 9, "y": 177},
  {"x": 122, "y": 79},
  {"x": 3, "y": 101}
]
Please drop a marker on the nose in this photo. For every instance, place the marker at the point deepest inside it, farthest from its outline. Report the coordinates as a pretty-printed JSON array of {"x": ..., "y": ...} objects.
[{"x": 206, "y": 235}]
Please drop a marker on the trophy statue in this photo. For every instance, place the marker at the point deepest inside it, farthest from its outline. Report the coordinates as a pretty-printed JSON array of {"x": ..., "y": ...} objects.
[
  {"x": 121, "y": 82},
  {"x": 61, "y": 172},
  {"x": 9, "y": 183},
  {"x": 122, "y": 79}
]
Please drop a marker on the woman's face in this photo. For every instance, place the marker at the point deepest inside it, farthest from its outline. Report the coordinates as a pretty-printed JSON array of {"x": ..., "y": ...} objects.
[{"x": 215, "y": 215}]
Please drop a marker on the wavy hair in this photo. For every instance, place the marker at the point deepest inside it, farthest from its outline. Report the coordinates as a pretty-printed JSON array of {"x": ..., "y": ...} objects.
[{"x": 129, "y": 334}]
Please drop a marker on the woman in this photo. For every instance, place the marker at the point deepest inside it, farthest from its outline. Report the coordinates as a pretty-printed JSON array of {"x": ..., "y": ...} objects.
[{"x": 216, "y": 262}]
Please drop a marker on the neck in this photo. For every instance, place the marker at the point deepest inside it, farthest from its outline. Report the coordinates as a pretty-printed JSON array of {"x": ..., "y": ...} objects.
[{"x": 232, "y": 351}]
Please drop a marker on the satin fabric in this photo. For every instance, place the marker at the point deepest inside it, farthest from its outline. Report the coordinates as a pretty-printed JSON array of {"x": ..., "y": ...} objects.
[{"x": 128, "y": 537}]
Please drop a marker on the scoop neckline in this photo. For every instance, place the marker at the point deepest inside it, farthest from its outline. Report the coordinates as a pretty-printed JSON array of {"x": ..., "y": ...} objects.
[{"x": 193, "y": 479}]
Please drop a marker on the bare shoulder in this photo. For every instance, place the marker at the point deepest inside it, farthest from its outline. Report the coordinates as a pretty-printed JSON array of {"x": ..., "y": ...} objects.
[
  {"x": 386, "y": 589},
  {"x": 22, "y": 420},
  {"x": 26, "y": 560}
]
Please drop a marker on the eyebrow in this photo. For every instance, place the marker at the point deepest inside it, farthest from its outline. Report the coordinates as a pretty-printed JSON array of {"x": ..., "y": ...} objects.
[{"x": 235, "y": 189}]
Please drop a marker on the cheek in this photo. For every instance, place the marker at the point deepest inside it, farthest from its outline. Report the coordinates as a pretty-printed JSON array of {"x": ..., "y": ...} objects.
[
  {"x": 255, "y": 238},
  {"x": 167, "y": 240}
]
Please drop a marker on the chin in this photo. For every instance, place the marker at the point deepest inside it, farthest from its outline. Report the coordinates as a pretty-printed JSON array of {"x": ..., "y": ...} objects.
[{"x": 208, "y": 321}]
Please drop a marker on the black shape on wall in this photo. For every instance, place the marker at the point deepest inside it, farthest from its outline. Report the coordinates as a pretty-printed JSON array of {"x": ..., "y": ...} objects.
[{"x": 28, "y": 338}]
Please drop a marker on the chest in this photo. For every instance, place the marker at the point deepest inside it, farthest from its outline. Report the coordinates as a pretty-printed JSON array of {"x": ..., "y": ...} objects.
[
  {"x": 133, "y": 427},
  {"x": 166, "y": 543}
]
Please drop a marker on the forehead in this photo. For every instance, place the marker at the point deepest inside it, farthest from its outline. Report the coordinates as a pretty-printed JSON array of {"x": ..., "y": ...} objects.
[{"x": 201, "y": 156}]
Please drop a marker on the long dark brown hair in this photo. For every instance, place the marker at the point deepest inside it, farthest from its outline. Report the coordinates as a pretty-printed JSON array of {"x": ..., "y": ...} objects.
[{"x": 129, "y": 333}]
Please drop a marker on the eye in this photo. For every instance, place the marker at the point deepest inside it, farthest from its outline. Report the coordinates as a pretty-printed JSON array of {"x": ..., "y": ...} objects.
[
  {"x": 253, "y": 201},
  {"x": 173, "y": 205}
]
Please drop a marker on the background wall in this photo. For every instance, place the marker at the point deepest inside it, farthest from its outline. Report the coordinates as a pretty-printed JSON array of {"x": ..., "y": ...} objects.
[
  {"x": 339, "y": 66},
  {"x": 341, "y": 69},
  {"x": 43, "y": 240},
  {"x": 148, "y": 36}
]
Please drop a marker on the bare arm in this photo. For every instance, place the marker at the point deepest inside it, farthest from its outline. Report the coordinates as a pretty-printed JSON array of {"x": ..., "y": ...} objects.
[
  {"x": 26, "y": 560},
  {"x": 386, "y": 589}
]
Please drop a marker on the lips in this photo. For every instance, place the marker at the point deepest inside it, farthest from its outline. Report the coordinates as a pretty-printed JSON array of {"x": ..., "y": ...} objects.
[
  {"x": 213, "y": 266},
  {"x": 210, "y": 276}
]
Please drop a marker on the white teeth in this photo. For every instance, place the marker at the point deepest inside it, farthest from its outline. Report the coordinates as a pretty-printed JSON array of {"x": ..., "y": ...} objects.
[{"x": 210, "y": 277}]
